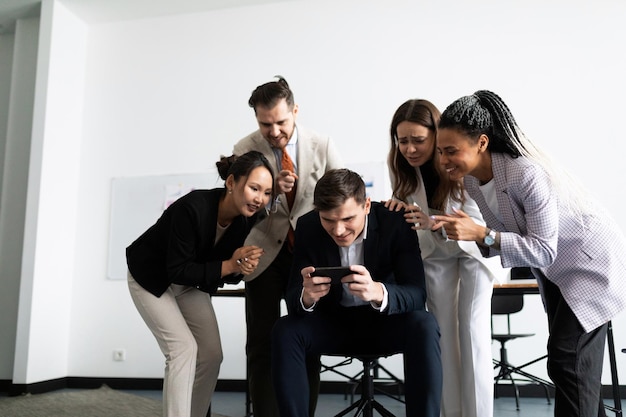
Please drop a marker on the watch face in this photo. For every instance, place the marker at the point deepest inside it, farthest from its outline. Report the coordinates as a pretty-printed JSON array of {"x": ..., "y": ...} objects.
[{"x": 490, "y": 239}]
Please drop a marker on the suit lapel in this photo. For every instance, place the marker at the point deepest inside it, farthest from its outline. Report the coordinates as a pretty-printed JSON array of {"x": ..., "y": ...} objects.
[
  {"x": 331, "y": 253},
  {"x": 261, "y": 144},
  {"x": 371, "y": 243},
  {"x": 330, "y": 257},
  {"x": 504, "y": 203},
  {"x": 307, "y": 149}
]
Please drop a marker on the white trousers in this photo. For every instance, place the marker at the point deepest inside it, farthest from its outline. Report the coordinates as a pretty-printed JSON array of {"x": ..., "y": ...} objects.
[
  {"x": 183, "y": 322},
  {"x": 459, "y": 292}
]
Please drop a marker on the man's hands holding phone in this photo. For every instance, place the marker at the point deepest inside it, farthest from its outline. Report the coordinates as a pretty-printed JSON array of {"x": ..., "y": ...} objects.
[
  {"x": 316, "y": 283},
  {"x": 335, "y": 273}
]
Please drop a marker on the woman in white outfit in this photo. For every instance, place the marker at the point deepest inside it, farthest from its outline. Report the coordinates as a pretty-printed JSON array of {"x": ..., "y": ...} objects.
[{"x": 459, "y": 280}]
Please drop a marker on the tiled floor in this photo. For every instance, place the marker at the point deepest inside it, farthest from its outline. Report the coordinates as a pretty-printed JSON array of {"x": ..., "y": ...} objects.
[{"x": 232, "y": 404}]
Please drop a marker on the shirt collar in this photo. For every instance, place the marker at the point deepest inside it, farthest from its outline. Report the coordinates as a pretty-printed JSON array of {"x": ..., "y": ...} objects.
[{"x": 363, "y": 234}]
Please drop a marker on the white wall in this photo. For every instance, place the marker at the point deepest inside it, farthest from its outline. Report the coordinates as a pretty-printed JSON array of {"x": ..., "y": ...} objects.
[
  {"x": 169, "y": 95},
  {"x": 44, "y": 331},
  {"x": 8, "y": 271},
  {"x": 18, "y": 120},
  {"x": 6, "y": 63}
]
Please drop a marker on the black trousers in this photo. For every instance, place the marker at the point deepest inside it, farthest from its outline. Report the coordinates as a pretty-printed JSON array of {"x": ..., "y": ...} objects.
[
  {"x": 263, "y": 298},
  {"x": 574, "y": 358},
  {"x": 351, "y": 331}
]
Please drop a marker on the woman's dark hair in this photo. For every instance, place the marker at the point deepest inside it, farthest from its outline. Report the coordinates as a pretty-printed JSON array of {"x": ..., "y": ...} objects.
[
  {"x": 336, "y": 187},
  {"x": 241, "y": 166},
  {"x": 405, "y": 181},
  {"x": 269, "y": 94},
  {"x": 484, "y": 112}
]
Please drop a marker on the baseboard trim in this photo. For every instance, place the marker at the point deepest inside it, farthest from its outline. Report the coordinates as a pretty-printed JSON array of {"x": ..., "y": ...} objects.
[
  {"x": 81, "y": 383},
  {"x": 537, "y": 391},
  {"x": 228, "y": 385}
]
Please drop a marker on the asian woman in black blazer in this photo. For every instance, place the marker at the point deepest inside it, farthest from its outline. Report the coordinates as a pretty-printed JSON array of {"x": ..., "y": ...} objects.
[{"x": 194, "y": 248}]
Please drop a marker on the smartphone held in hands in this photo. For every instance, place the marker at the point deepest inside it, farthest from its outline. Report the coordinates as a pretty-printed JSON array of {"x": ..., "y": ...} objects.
[{"x": 335, "y": 273}]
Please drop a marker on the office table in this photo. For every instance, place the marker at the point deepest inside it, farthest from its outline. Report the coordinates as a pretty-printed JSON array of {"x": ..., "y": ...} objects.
[
  {"x": 505, "y": 369},
  {"x": 516, "y": 288}
]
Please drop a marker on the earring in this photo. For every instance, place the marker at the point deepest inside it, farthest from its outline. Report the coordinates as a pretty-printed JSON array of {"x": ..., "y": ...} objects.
[{"x": 230, "y": 191}]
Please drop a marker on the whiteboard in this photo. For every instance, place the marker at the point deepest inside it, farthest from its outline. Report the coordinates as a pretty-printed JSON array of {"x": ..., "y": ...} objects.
[
  {"x": 375, "y": 176},
  {"x": 137, "y": 203}
]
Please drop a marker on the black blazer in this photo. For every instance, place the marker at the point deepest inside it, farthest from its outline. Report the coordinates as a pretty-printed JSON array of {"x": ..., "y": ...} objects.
[
  {"x": 391, "y": 253},
  {"x": 180, "y": 247}
]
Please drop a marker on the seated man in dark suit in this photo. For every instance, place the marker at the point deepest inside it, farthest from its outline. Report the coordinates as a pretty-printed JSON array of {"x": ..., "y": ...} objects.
[{"x": 378, "y": 309}]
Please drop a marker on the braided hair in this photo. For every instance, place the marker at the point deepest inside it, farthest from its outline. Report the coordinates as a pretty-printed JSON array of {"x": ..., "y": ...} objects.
[{"x": 485, "y": 113}]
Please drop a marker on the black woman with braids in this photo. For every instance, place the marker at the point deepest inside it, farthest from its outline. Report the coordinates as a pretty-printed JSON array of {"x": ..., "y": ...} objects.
[
  {"x": 537, "y": 216},
  {"x": 459, "y": 280}
]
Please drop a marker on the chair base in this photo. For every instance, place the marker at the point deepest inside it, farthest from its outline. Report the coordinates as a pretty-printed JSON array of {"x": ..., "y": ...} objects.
[
  {"x": 383, "y": 384},
  {"x": 507, "y": 372},
  {"x": 366, "y": 405}
]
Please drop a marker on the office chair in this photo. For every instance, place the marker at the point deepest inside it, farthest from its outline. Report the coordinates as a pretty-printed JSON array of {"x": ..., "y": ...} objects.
[
  {"x": 384, "y": 380},
  {"x": 366, "y": 405},
  {"x": 506, "y": 305}
]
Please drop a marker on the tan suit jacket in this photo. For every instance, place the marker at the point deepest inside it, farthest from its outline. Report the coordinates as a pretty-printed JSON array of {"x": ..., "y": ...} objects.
[{"x": 316, "y": 155}]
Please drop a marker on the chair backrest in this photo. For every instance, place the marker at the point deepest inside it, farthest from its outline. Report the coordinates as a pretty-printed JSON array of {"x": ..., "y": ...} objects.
[{"x": 507, "y": 303}]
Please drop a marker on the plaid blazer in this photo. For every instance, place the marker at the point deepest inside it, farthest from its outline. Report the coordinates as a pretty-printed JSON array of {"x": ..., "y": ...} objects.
[{"x": 584, "y": 255}]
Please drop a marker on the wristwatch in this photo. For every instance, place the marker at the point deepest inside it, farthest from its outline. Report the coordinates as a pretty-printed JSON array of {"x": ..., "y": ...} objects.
[{"x": 490, "y": 239}]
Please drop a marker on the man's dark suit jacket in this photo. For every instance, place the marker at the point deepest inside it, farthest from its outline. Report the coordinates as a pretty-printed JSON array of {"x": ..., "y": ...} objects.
[
  {"x": 180, "y": 247},
  {"x": 391, "y": 255}
]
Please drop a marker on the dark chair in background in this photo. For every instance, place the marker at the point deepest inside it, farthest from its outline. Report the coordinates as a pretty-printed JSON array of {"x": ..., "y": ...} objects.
[
  {"x": 524, "y": 273},
  {"x": 505, "y": 305}
]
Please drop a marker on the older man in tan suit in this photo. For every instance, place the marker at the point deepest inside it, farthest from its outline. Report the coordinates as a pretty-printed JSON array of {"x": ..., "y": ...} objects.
[{"x": 300, "y": 157}]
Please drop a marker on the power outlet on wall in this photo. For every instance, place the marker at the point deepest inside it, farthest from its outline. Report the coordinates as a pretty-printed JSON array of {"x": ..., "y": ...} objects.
[{"x": 119, "y": 355}]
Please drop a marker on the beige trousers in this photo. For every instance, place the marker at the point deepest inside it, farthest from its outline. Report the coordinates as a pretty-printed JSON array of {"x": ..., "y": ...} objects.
[{"x": 183, "y": 322}]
